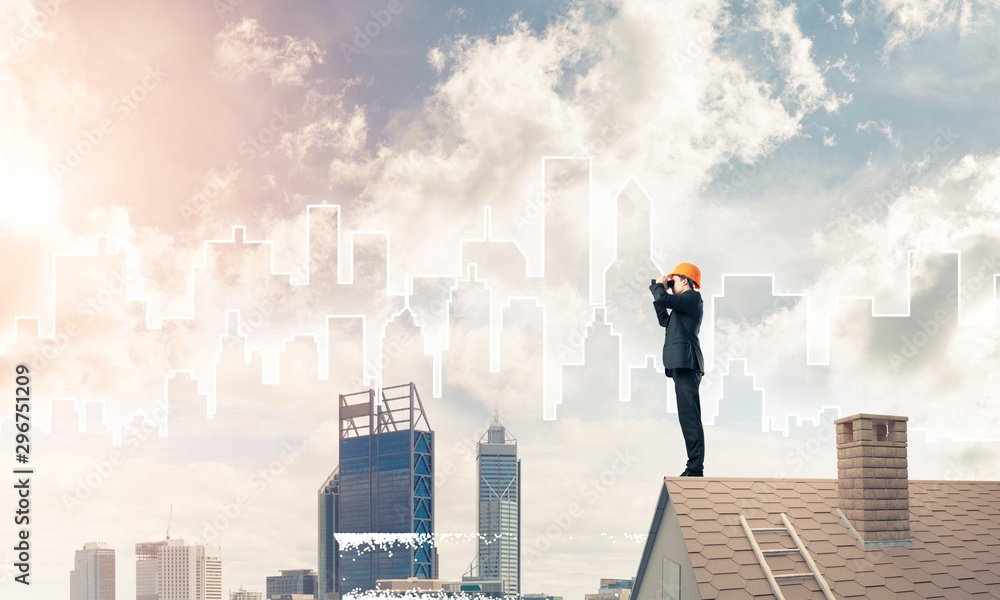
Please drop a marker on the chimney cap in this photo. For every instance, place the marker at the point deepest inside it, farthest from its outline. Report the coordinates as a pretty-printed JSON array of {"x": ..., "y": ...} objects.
[{"x": 860, "y": 416}]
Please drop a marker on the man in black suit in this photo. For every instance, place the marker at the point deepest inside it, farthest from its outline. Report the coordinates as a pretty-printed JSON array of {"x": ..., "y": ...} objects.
[{"x": 680, "y": 313}]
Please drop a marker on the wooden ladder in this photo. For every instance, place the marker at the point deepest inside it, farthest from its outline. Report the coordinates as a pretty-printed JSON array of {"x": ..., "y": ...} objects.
[{"x": 799, "y": 547}]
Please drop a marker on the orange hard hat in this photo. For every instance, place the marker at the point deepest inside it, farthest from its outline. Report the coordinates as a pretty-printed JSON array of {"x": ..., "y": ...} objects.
[{"x": 690, "y": 271}]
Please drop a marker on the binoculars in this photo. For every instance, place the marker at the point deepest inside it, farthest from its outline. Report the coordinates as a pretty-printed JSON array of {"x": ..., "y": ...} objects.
[{"x": 670, "y": 283}]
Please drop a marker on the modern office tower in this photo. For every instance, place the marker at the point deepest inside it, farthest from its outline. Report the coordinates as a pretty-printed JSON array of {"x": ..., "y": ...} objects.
[
  {"x": 499, "y": 509},
  {"x": 93, "y": 574},
  {"x": 386, "y": 488},
  {"x": 329, "y": 492},
  {"x": 189, "y": 572},
  {"x": 245, "y": 593},
  {"x": 146, "y": 568},
  {"x": 295, "y": 581}
]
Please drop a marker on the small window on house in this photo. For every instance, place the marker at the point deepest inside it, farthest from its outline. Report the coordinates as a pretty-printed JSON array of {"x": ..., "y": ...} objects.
[
  {"x": 881, "y": 432},
  {"x": 671, "y": 580}
]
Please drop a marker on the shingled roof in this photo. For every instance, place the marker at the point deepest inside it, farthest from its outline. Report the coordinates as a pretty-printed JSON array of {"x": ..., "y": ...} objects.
[
  {"x": 870, "y": 533},
  {"x": 954, "y": 550}
]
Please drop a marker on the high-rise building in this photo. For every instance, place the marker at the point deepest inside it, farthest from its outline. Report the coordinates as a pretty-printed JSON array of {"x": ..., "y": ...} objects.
[
  {"x": 386, "y": 481},
  {"x": 93, "y": 574},
  {"x": 329, "y": 492},
  {"x": 499, "y": 509},
  {"x": 189, "y": 572},
  {"x": 294, "y": 581},
  {"x": 146, "y": 568},
  {"x": 246, "y": 593}
]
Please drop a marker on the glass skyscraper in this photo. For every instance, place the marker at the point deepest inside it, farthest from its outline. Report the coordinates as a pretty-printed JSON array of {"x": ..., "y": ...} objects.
[
  {"x": 386, "y": 484},
  {"x": 329, "y": 492},
  {"x": 499, "y": 472},
  {"x": 292, "y": 581},
  {"x": 93, "y": 574},
  {"x": 147, "y": 566}
]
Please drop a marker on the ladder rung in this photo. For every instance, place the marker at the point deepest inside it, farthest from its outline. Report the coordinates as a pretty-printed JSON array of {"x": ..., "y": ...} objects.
[
  {"x": 769, "y": 529},
  {"x": 792, "y": 575},
  {"x": 780, "y": 550}
]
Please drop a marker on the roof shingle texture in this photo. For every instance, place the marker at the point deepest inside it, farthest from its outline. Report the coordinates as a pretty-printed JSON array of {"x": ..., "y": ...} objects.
[{"x": 955, "y": 549}]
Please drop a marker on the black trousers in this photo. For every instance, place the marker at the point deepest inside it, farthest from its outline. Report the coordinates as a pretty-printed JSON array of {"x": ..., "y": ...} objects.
[{"x": 686, "y": 382}]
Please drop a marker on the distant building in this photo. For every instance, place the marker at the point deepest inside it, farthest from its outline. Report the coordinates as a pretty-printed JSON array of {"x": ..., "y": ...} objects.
[
  {"x": 189, "y": 572},
  {"x": 613, "y": 589},
  {"x": 146, "y": 569},
  {"x": 540, "y": 597},
  {"x": 437, "y": 588},
  {"x": 245, "y": 593},
  {"x": 475, "y": 587},
  {"x": 385, "y": 486},
  {"x": 297, "y": 581},
  {"x": 410, "y": 584},
  {"x": 499, "y": 510},
  {"x": 617, "y": 584},
  {"x": 329, "y": 493},
  {"x": 93, "y": 574}
]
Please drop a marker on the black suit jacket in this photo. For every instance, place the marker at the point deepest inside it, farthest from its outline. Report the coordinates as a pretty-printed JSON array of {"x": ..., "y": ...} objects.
[{"x": 681, "y": 315}]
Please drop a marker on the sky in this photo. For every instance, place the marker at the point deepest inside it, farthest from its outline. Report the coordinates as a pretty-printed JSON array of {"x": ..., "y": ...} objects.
[{"x": 216, "y": 217}]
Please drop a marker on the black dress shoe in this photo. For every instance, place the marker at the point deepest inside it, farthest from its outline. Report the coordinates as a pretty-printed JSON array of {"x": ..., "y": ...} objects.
[{"x": 687, "y": 473}]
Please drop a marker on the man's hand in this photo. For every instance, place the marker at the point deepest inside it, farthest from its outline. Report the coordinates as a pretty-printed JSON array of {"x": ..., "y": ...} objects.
[{"x": 662, "y": 279}]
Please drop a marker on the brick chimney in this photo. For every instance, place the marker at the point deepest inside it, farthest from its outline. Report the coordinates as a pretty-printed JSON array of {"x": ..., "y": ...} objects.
[{"x": 873, "y": 489}]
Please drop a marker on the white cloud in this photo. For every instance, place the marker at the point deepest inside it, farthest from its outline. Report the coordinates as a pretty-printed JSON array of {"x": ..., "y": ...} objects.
[
  {"x": 884, "y": 126},
  {"x": 904, "y": 21},
  {"x": 243, "y": 50},
  {"x": 329, "y": 126},
  {"x": 807, "y": 88},
  {"x": 643, "y": 90},
  {"x": 890, "y": 363},
  {"x": 436, "y": 58}
]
